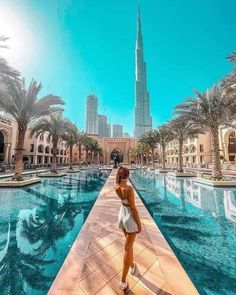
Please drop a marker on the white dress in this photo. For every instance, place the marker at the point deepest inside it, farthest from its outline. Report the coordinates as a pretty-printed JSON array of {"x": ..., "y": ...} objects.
[{"x": 126, "y": 220}]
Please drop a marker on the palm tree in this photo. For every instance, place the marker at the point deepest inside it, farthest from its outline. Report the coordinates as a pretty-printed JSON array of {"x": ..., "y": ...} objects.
[
  {"x": 134, "y": 153},
  {"x": 143, "y": 150},
  {"x": 5, "y": 70},
  {"x": 25, "y": 107},
  {"x": 181, "y": 129},
  {"x": 149, "y": 139},
  {"x": 210, "y": 110},
  {"x": 93, "y": 148},
  {"x": 86, "y": 141},
  {"x": 70, "y": 136},
  {"x": 229, "y": 82},
  {"x": 54, "y": 125},
  {"x": 163, "y": 137},
  {"x": 99, "y": 152}
]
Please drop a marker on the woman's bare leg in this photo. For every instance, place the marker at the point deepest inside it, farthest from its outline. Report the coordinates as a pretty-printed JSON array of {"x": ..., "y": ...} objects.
[
  {"x": 125, "y": 233},
  {"x": 128, "y": 256}
]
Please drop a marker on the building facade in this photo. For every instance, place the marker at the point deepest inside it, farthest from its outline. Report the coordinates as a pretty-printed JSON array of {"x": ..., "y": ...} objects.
[
  {"x": 8, "y": 133},
  {"x": 196, "y": 150},
  {"x": 36, "y": 151},
  {"x": 117, "y": 130},
  {"x": 143, "y": 119},
  {"x": 227, "y": 139},
  {"x": 104, "y": 129},
  {"x": 118, "y": 147},
  {"x": 91, "y": 114}
]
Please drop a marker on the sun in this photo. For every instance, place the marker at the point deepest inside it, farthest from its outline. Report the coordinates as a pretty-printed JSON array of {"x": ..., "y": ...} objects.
[{"x": 20, "y": 42}]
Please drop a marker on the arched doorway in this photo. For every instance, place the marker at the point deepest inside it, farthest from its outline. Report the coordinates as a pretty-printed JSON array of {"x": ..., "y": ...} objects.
[
  {"x": 1, "y": 147},
  {"x": 117, "y": 154},
  {"x": 232, "y": 146}
]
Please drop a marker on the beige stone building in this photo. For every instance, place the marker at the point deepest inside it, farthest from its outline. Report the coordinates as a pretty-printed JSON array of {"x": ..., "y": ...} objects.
[
  {"x": 227, "y": 138},
  {"x": 112, "y": 147},
  {"x": 8, "y": 131},
  {"x": 196, "y": 150},
  {"x": 117, "y": 147},
  {"x": 36, "y": 151}
]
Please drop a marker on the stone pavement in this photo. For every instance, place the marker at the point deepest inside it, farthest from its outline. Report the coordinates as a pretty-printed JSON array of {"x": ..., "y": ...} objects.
[{"x": 94, "y": 263}]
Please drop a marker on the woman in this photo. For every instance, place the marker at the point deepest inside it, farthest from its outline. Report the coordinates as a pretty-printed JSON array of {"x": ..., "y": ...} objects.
[{"x": 128, "y": 221}]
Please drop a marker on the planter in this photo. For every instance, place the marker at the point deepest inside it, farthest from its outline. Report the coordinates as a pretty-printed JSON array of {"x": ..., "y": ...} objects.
[
  {"x": 73, "y": 171},
  {"x": 216, "y": 183},
  {"x": 50, "y": 174},
  {"x": 181, "y": 174},
  {"x": 14, "y": 183}
]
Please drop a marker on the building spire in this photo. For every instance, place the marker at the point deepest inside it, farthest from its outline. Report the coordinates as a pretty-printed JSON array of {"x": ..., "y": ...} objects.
[
  {"x": 139, "y": 31},
  {"x": 143, "y": 119}
]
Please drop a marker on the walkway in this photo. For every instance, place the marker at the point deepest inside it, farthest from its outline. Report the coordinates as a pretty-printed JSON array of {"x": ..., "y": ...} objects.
[{"x": 93, "y": 265}]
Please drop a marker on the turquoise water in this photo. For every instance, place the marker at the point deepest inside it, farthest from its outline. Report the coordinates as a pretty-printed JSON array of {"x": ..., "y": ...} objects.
[
  {"x": 38, "y": 225},
  {"x": 200, "y": 225}
]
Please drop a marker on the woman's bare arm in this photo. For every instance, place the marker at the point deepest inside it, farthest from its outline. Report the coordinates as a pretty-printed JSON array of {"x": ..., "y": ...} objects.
[{"x": 133, "y": 209}]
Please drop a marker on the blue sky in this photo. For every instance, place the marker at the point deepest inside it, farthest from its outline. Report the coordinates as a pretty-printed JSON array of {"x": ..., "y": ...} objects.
[{"x": 77, "y": 47}]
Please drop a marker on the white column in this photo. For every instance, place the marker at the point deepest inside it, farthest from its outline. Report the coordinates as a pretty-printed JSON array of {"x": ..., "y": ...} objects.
[{"x": 6, "y": 153}]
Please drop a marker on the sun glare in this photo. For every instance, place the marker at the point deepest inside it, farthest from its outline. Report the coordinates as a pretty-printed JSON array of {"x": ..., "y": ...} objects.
[{"x": 20, "y": 45}]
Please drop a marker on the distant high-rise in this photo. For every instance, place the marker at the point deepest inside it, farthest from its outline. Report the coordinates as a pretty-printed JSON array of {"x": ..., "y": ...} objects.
[
  {"x": 143, "y": 119},
  {"x": 126, "y": 134},
  {"x": 91, "y": 114},
  {"x": 117, "y": 130},
  {"x": 104, "y": 129},
  {"x": 108, "y": 130}
]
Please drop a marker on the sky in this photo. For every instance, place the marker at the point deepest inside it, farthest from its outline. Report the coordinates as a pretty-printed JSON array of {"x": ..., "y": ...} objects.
[{"x": 78, "y": 47}]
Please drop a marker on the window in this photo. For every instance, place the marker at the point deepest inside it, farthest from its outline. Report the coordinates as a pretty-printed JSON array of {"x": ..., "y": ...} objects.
[
  {"x": 41, "y": 137},
  {"x": 31, "y": 147},
  {"x": 201, "y": 148}
]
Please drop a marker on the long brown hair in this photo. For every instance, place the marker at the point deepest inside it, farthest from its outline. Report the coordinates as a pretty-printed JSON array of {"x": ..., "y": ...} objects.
[{"x": 122, "y": 173}]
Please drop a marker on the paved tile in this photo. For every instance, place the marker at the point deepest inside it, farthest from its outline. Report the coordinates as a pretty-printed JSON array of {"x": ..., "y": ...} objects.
[{"x": 94, "y": 263}]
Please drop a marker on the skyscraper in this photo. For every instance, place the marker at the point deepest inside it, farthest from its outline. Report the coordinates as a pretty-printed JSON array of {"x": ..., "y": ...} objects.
[
  {"x": 104, "y": 129},
  {"x": 117, "y": 130},
  {"x": 91, "y": 114},
  {"x": 108, "y": 130},
  {"x": 143, "y": 119}
]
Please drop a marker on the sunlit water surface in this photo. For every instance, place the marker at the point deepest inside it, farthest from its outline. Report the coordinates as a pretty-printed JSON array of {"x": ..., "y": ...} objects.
[
  {"x": 38, "y": 225},
  {"x": 200, "y": 225}
]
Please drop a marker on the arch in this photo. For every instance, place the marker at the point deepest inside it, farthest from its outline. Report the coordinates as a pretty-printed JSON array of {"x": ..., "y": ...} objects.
[
  {"x": 192, "y": 148},
  {"x": 47, "y": 149},
  {"x": 186, "y": 150},
  {"x": 231, "y": 145},
  {"x": 2, "y": 141},
  {"x": 117, "y": 154},
  {"x": 40, "y": 148}
]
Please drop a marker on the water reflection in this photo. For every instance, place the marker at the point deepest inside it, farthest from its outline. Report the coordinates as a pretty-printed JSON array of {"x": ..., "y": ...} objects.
[
  {"x": 38, "y": 225},
  {"x": 199, "y": 223}
]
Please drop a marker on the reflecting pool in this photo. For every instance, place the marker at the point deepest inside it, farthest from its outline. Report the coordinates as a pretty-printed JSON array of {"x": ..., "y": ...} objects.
[
  {"x": 38, "y": 225},
  {"x": 199, "y": 223}
]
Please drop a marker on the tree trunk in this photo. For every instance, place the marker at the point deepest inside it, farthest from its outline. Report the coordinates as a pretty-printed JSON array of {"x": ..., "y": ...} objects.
[
  {"x": 163, "y": 157},
  {"x": 19, "y": 155},
  {"x": 54, "y": 157},
  {"x": 86, "y": 157},
  {"x": 152, "y": 151},
  {"x": 79, "y": 153},
  {"x": 180, "y": 156},
  {"x": 216, "y": 167},
  {"x": 71, "y": 158},
  {"x": 141, "y": 159}
]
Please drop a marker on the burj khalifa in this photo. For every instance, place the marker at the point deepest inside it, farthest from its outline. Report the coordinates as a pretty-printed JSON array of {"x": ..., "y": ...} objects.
[{"x": 143, "y": 119}]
